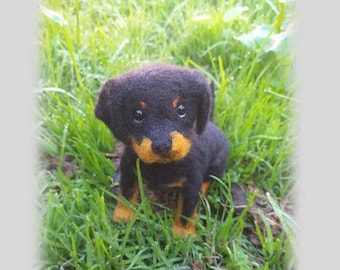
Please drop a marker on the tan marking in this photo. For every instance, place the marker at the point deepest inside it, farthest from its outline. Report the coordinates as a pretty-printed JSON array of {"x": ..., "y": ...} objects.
[
  {"x": 177, "y": 183},
  {"x": 204, "y": 188},
  {"x": 180, "y": 148},
  {"x": 175, "y": 102},
  {"x": 180, "y": 145},
  {"x": 143, "y": 104},
  {"x": 122, "y": 213},
  {"x": 189, "y": 228},
  {"x": 134, "y": 197},
  {"x": 144, "y": 150}
]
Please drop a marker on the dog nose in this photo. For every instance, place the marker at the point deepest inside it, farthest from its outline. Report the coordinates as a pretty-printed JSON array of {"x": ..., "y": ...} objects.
[{"x": 162, "y": 146}]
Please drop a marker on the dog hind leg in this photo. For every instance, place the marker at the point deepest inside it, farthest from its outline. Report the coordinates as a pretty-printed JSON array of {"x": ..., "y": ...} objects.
[{"x": 205, "y": 187}]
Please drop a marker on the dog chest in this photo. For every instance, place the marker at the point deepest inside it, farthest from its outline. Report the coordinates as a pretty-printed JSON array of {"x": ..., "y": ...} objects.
[{"x": 172, "y": 174}]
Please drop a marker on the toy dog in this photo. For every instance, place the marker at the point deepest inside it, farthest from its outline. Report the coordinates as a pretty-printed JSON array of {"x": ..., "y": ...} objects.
[{"x": 162, "y": 113}]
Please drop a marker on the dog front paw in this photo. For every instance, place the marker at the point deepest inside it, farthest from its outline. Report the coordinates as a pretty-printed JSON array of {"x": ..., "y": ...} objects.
[
  {"x": 122, "y": 213},
  {"x": 185, "y": 230}
]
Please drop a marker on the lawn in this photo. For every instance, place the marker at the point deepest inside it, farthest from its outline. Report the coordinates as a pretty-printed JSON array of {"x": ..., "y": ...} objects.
[{"x": 243, "y": 47}]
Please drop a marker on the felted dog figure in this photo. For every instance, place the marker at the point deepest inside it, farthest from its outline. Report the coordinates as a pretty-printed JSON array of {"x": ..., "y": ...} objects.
[{"x": 162, "y": 113}]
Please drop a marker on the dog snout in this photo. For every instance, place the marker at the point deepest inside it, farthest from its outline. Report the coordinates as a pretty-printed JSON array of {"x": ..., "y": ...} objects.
[
  {"x": 162, "y": 148},
  {"x": 162, "y": 145}
]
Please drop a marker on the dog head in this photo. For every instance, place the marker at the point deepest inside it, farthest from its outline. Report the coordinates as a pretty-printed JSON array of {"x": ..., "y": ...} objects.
[{"x": 156, "y": 109}]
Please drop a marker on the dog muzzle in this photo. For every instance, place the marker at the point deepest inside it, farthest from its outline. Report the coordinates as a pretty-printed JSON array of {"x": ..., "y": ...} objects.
[{"x": 167, "y": 150}]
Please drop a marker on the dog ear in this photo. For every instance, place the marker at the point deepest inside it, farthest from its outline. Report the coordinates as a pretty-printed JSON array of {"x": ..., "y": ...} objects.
[
  {"x": 212, "y": 91},
  {"x": 109, "y": 111},
  {"x": 205, "y": 102}
]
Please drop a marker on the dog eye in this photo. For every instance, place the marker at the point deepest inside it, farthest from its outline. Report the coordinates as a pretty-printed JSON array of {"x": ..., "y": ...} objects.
[
  {"x": 181, "y": 110},
  {"x": 138, "y": 115}
]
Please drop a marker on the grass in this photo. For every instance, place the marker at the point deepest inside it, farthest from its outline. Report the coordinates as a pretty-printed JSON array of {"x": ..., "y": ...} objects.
[{"x": 243, "y": 48}]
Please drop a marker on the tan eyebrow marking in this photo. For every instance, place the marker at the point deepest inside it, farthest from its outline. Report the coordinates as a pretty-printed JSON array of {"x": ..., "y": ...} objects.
[
  {"x": 142, "y": 104},
  {"x": 175, "y": 102}
]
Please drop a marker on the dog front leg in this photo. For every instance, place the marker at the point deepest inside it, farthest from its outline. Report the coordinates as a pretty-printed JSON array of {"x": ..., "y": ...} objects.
[
  {"x": 129, "y": 190},
  {"x": 184, "y": 222}
]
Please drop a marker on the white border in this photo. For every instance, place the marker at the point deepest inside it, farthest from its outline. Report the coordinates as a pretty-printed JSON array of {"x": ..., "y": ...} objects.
[
  {"x": 318, "y": 74},
  {"x": 17, "y": 191}
]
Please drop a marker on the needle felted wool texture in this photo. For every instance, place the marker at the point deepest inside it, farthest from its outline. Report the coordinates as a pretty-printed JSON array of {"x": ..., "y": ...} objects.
[{"x": 162, "y": 113}]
